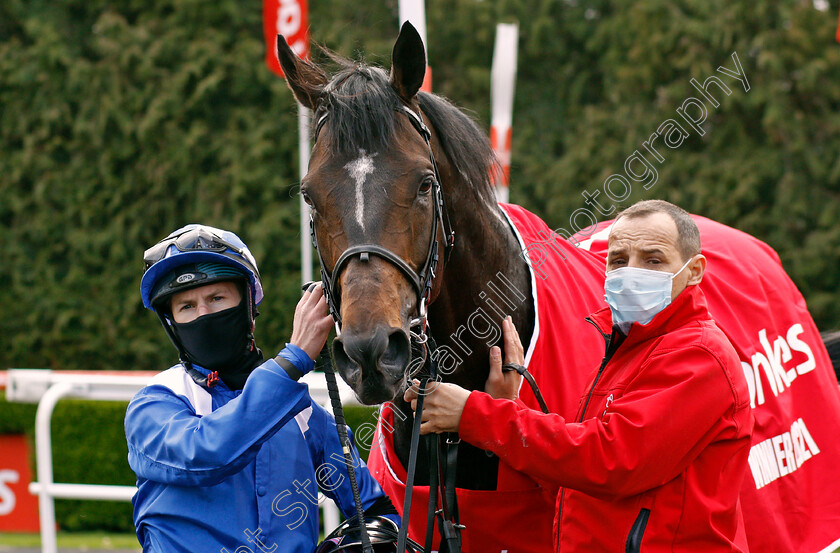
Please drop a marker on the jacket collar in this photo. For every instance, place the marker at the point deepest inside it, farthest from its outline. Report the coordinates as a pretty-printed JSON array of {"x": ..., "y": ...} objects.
[
  {"x": 689, "y": 305},
  {"x": 198, "y": 372}
]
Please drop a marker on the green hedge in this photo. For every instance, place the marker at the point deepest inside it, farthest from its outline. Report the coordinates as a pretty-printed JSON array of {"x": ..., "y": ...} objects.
[
  {"x": 122, "y": 121},
  {"x": 89, "y": 448}
]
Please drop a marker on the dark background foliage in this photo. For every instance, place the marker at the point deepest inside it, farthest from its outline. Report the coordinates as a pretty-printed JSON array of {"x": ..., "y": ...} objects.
[{"x": 120, "y": 121}]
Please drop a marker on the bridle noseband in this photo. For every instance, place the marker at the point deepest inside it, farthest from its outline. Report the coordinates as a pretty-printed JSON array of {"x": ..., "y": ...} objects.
[{"x": 421, "y": 281}]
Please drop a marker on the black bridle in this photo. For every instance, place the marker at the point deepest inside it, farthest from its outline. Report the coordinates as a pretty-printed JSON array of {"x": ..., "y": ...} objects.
[{"x": 422, "y": 280}]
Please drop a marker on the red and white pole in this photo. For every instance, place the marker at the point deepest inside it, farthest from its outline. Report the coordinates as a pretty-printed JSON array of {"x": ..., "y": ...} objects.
[
  {"x": 502, "y": 85},
  {"x": 290, "y": 18},
  {"x": 415, "y": 12},
  {"x": 837, "y": 36}
]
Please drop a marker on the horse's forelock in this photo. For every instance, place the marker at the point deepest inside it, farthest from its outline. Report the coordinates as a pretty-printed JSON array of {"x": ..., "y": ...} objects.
[{"x": 361, "y": 107}]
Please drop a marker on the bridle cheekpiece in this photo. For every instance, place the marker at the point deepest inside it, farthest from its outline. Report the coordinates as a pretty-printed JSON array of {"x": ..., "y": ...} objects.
[{"x": 422, "y": 280}]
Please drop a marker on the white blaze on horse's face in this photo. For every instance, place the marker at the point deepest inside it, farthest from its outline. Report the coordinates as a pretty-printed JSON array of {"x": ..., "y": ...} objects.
[{"x": 359, "y": 169}]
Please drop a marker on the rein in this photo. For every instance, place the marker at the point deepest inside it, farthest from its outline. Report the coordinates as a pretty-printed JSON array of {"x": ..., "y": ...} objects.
[{"x": 441, "y": 479}]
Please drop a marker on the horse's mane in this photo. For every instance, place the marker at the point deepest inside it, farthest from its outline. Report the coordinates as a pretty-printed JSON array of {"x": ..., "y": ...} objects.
[
  {"x": 464, "y": 143},
  {"x": 362, "y": 107}
]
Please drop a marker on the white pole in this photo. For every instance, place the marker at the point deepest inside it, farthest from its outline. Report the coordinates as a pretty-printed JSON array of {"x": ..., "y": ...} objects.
[
  {"x": 303, "y": 157},
  {"x": 415, "y": 12},
  {"x": 43, "y": 463},
  {"x": 502, "y": 85}
]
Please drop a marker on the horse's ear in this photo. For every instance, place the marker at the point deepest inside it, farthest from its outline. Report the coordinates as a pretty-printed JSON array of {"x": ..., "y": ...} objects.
[
  {"x": 408, "y": 64},
  {"x": 307, "y": 81}
]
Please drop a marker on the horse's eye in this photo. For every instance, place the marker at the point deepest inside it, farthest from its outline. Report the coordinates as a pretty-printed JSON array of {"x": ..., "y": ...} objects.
[
  {"x": 306, "y": 198},
  {"x": 427, "y": 184}
]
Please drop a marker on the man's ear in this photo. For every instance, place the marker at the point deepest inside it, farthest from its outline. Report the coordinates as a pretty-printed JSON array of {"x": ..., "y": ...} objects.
[
  {"x": 306, "y": 80},
  {"x": 696, "y": 269}
]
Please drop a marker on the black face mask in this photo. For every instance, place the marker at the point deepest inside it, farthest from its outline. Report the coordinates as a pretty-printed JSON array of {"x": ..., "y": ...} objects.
[{"x": 222, "y": 342}]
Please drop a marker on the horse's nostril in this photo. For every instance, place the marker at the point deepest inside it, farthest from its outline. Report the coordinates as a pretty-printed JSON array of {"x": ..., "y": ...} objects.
[
  {"x": 398, "y": 351},
  {"x": 390, "y": 352},
  {"x": 339, "y": 355},
  {"x": 360, "y": 350}
]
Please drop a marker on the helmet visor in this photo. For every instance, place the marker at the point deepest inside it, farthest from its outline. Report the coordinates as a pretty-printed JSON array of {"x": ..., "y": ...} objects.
[{"x": 195, "y": 239}]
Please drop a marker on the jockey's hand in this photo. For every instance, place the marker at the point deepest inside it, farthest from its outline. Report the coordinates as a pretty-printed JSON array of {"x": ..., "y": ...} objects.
[
  {"x": 505, "y": 385},
  {"x": 312, "y": 323},
  {"x": 442, "y": 406}
]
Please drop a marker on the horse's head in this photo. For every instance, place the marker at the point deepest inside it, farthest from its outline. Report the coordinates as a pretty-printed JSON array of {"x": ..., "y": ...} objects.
[{"x": 374, "y": 193}]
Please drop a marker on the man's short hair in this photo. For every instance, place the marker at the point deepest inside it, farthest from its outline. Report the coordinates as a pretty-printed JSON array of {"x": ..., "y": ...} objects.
[{"x": 688, "y": 235}]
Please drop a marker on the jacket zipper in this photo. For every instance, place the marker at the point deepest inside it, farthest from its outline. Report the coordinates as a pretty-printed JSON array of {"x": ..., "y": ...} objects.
[
  {"x": 634, "y": 539},
  {"x": 611, "y": 345},
  {"x": 612, "y": 342}
]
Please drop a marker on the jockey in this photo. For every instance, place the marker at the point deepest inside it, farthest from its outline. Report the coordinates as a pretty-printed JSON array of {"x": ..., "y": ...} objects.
[{"x": 229, "y": 449}]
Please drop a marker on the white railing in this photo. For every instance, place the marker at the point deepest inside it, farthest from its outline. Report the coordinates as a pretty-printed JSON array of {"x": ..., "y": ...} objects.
[{"x": 46, "y": 388}]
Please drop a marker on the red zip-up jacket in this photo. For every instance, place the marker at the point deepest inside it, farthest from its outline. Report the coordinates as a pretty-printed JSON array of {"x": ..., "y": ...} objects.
[{"x": 656, "y": 455}]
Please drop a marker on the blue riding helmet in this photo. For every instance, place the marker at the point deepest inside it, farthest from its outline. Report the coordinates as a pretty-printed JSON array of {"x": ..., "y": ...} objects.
[{"x": 203, "y": 249}]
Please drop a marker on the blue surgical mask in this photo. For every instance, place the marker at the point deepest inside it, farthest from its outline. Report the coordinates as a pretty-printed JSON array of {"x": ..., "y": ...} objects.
[{"x": 637, "y": 295}]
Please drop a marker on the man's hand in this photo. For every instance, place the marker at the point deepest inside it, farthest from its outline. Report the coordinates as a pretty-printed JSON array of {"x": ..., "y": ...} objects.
[
  {"x": 312, "y": 322},
  {"x": 444, "y": 402},
  {"x": 442, "y": 406},
  {"x": 505, "y": 385}
]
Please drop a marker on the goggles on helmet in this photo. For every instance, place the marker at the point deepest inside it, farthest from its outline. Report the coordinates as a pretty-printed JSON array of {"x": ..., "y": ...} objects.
[
  {"x": 196, "y": 244},
  {"x": 196, "y": 239}
]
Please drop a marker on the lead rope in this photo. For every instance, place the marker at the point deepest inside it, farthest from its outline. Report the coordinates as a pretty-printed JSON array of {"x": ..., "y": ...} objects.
[
  {"x": 412, "y": 465},
  {"x": 507, "y": 367},
  {"x": 450, "y": 531},
  {"x": 440, "y": 480},
  {"x": 451, "y": 474},
  {"x": 432, "y": 446},
  {"x": 346, "y": 447}
]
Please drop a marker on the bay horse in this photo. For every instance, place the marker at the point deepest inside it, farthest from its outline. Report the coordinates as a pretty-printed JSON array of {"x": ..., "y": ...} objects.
[{"x": 394, "y": 175}]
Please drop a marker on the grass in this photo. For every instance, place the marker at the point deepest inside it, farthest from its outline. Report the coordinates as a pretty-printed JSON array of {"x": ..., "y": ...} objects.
[{"x": 79, "y": 540}]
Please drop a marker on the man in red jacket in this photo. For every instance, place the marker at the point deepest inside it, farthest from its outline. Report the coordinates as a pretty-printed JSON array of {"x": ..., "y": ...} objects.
[{"x": 655, "y": 457}]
